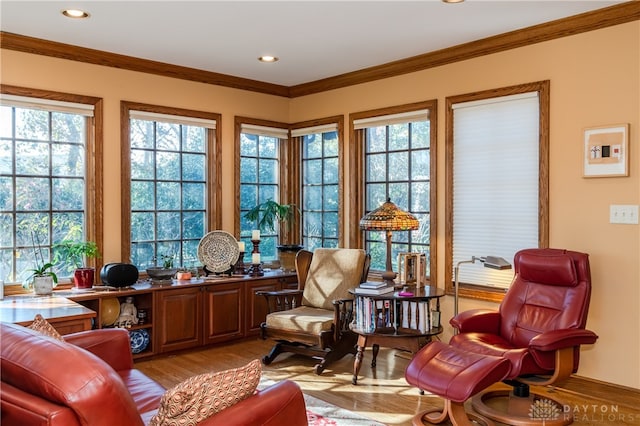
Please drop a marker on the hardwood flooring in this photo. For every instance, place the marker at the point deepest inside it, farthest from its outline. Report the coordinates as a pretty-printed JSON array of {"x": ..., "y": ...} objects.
[{"x": 382, "y": 393}]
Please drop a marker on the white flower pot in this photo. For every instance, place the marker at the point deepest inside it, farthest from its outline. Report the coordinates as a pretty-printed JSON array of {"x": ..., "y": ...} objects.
[{"x": 43, "y": 285}]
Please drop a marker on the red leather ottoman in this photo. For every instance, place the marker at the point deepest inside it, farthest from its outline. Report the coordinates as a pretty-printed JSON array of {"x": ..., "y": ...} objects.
[{"x": 454, "y": 375}]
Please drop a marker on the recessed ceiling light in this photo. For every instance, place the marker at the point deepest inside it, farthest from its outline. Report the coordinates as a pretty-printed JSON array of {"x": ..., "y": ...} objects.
[
  {"x": 75, "y": 13},
  {"x": 267, "y": 58},
  {"x": 452, "y": 1}
]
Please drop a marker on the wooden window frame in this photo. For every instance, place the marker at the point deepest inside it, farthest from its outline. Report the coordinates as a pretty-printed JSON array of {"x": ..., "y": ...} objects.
[
  {"x": 214, "y": 172},
  {"x": 356, "y": 166},
  {"x": 288, "y": 175},
  {"x": 543, "y": 88},
  {"x": 93, "y": 167},
  {"x": 296, "y": 158}
]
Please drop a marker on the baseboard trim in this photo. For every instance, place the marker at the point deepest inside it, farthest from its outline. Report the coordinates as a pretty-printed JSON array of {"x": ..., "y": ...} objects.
[{"x": 610, "y": 393}]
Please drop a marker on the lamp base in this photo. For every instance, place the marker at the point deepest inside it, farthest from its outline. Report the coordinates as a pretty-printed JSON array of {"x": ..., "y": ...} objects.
[{"x": 388, "y": 277}]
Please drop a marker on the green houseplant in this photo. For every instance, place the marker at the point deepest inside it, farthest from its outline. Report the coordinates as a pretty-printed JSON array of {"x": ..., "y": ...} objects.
[
  {"x": 270, "y": 213},
  {"x": 42, "y": 277},
  {"x": 74, "y": 254}
]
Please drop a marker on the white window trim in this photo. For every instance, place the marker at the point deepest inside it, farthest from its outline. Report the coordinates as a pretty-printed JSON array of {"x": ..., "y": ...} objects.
[
  {"x": 174, "y": 119},
  {"x": 273, "y": 132},
  {"x": 43, "y": 104}
]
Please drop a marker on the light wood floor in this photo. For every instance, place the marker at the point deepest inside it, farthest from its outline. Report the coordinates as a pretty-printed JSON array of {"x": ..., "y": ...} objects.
[{"x": 382, "y": 393}]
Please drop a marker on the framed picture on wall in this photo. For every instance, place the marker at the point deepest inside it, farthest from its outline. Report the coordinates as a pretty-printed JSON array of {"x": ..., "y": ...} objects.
[{"x": 606, "y": 151}]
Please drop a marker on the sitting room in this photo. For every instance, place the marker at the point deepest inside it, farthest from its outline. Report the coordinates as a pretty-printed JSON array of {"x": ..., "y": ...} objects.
[{"x": 308, "y": 212}]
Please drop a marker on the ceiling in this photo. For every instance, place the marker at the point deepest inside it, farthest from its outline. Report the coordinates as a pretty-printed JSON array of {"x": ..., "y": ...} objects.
[{"x": 313, "y": 39}]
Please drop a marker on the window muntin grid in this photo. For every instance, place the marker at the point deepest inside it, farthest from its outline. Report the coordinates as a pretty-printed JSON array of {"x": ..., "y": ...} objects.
[
  {"x": 168, "y": 188},
  {"x": 42, "y": 187},
  {"x": 259, "y": 182},
  {"x": 319, "y": 190},
  {"x": 397, "y": 166}
]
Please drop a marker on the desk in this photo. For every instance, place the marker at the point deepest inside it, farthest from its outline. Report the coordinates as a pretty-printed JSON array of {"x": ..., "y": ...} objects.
[
  {"x": 65, "y": 315},
  {"x": 391, "y": 320}
]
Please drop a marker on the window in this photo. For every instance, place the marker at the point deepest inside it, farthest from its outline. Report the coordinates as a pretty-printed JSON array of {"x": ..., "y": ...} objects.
[
  {"x": 497, "y": 187},
  {"x": 320, "y": 182},
  {"x": 171, "y": 168},
  {"x": 49, "y": 182},
  {"x": 260, "y": 175},
  {"x": 395, "y": 152}
]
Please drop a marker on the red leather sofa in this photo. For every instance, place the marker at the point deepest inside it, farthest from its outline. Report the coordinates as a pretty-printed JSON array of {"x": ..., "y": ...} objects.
[{"x": 90, "y": 379}]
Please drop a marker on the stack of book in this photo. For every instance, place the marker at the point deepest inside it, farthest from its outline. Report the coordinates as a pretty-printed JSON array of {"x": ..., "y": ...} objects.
[{"x": 374, "y": 288}]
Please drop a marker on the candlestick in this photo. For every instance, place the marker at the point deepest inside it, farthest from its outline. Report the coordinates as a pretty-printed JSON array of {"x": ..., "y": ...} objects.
[
  {"x": 241, "y": 246},
  {"x": 239, "y": 268},
  {"x": 255, "y": 235},
  {"x": 256, "y": 268}
]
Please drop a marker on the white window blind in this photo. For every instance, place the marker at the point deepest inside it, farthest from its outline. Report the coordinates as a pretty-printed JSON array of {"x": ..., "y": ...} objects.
[
  {"x": 332, "y": 127},
  {"x": 387, "y": 120},
  {"x": 175, "y": 119},
  {"x": 47, "y": 105},
  {"x": 495, "y": 183},
  {"x": 273, "y": 132}
]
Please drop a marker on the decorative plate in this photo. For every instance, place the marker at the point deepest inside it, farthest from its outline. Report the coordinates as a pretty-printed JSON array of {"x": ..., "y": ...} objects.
[
  {"x": 139, "y": 340},
  {"x": 218, "y": 251}
]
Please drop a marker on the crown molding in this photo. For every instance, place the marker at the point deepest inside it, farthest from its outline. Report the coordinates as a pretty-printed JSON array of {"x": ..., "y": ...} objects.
[
  {"x": 98, "y": 57},
  {"x": 598, "y": 19},
  {"x": 601, "y": 18}
]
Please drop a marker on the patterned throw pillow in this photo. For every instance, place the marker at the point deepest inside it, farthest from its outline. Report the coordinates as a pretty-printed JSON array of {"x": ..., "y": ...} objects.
[
  {"x": 200, "y": 397},
  {"x": 42, "y": 326}
]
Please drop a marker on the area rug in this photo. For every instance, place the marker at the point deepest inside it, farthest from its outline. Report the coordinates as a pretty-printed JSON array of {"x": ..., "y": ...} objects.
[{"x": 322, "y": 413}]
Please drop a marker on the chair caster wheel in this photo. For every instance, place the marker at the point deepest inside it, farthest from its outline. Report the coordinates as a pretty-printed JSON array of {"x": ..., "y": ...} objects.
[
  {"x": 318, "y": 369},
  {"x": 266, "y": 360}
]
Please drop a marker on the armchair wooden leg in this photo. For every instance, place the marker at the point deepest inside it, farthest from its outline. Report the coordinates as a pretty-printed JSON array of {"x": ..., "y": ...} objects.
[
  {"x": 284, "y": 346},
  {"x": 275, "y": 351},
  {"x": 344, "y": 346}
]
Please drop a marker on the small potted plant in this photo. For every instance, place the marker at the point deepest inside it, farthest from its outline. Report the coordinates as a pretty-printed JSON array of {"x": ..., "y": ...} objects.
[
  {"x": 269, "y": 213},
  {"x": 43, "y": 279},
  {"x": 74, "y": 254}
]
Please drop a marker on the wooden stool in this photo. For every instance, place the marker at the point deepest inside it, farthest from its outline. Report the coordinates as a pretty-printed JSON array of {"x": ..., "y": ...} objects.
[{"x": 455, "y": 375}]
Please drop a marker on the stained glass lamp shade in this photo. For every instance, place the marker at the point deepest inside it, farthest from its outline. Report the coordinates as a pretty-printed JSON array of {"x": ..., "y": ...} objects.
[{"x": 388, "y": 218}]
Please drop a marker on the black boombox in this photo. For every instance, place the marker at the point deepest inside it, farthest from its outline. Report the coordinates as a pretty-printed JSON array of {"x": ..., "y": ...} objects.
[{"x": 119, "y": 274}]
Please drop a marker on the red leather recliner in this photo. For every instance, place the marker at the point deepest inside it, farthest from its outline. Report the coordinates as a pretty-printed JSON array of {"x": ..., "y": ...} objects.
[
  {"x": 538, "y": 328},
  {"x": 90, "y": 379}
]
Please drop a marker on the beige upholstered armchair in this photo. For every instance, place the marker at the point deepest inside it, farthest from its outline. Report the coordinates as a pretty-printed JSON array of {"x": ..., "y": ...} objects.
[{"x": 314, "y": 319}]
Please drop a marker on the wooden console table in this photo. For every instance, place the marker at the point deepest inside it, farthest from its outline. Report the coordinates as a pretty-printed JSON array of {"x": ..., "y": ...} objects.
[
  {"x": 179, "y": 314},
  {"x": 65, "y": 315},
  {"x": 391, "y": 320}
]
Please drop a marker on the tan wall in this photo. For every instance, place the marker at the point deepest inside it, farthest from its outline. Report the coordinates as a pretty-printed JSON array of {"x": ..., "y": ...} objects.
[
  {"x": 594, "y": 81},
  {"x": 114, "y": 85}
]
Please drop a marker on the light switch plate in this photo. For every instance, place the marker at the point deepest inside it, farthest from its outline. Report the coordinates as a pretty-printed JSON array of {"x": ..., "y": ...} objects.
[{"x": 623, "y": 213}]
